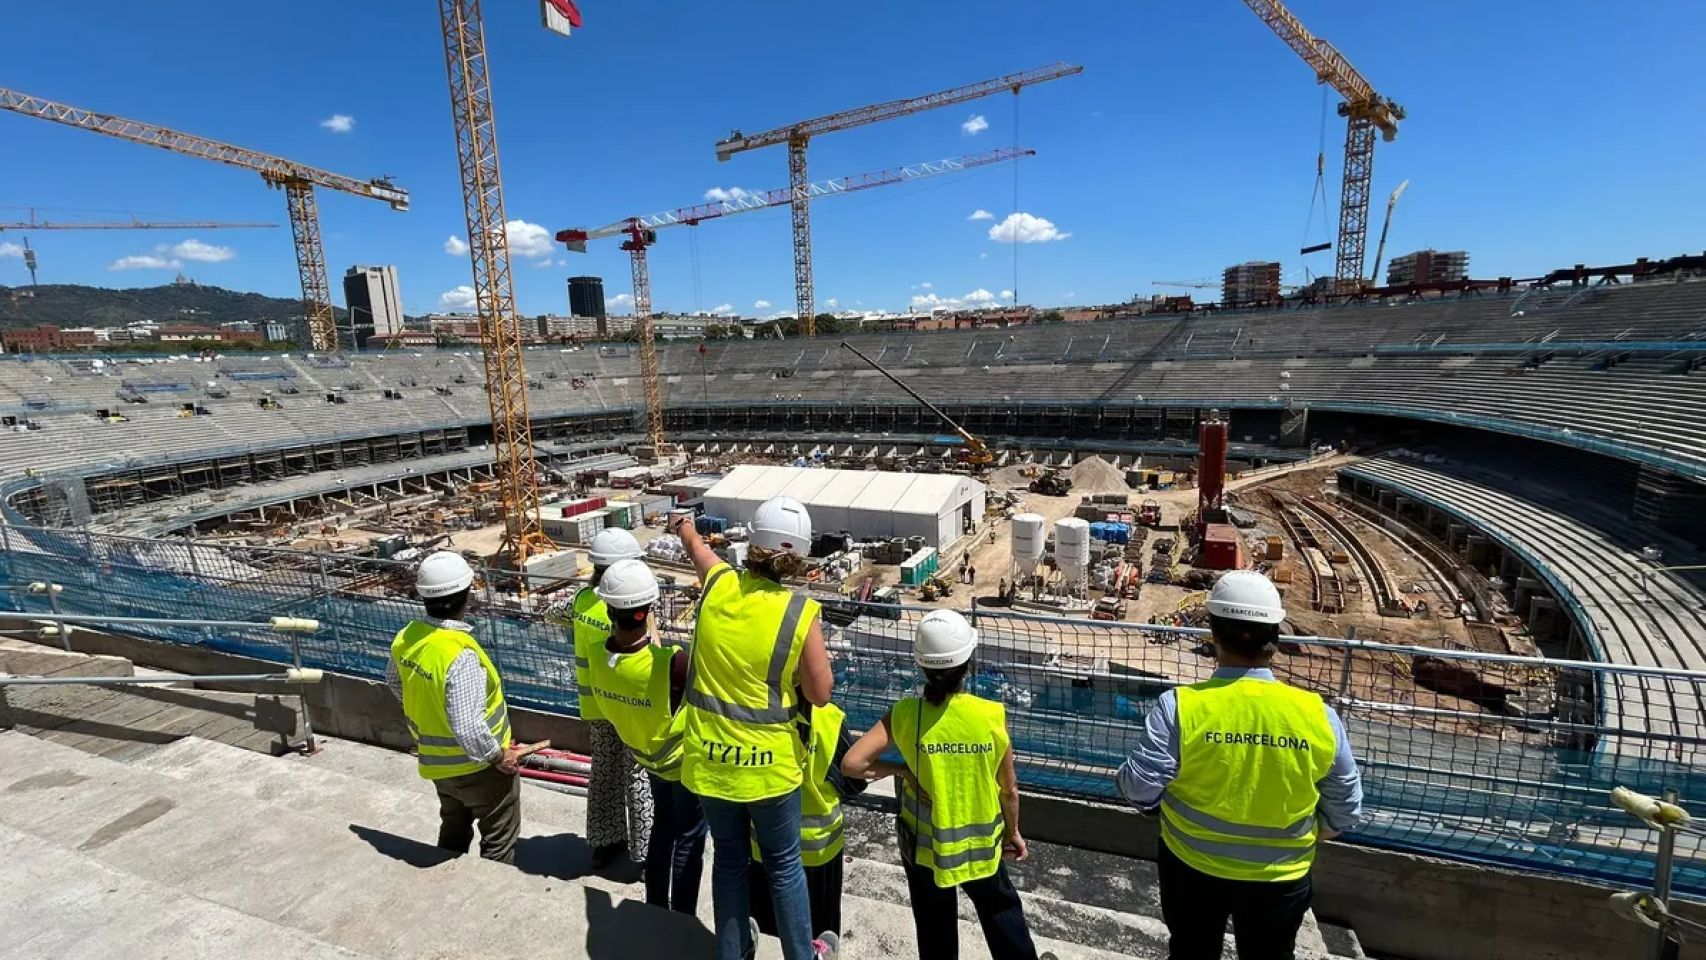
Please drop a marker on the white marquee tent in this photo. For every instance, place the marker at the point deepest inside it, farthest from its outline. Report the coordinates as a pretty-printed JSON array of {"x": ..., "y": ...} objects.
[{"x": 868, "y": 504}]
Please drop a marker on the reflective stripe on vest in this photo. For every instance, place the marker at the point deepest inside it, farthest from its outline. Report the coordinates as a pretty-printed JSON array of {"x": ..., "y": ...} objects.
[
  {"x": 955, "y": 751},
  {"x": 738, "y": 708},
  {"x": 634, "y": 698},
  {"x": 591, "y": 629},
  {"x": 821, "y": 821},
  {"x": 1242, "y": 806},
  {"x": 423, "y": 654}
]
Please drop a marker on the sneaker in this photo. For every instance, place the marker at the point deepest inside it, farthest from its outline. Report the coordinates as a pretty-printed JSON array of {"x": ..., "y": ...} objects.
[
  {"x": 1048, "y": 956},
  {"x": 827, "y": 946}
]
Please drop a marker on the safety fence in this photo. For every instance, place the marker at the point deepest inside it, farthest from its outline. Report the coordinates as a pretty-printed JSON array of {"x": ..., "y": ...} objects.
[{"x": 1471, "y": 755}]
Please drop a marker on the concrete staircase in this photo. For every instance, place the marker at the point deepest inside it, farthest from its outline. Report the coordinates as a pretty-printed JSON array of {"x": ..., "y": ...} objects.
[{"x": 196, "y": 848}]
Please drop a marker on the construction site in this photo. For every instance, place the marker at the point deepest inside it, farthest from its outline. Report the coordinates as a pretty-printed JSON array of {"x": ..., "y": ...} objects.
[{"x": 1483, "y": 503}]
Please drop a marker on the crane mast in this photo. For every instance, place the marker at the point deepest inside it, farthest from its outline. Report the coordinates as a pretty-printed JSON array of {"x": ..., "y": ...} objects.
[
  {"x": 297, "y": 180},
  {"x": 641, "y": 233},
  {"x": 1365, "y": 112},
  {"x": 798, "y": 135},
  {"x": 488, "y": 249}
]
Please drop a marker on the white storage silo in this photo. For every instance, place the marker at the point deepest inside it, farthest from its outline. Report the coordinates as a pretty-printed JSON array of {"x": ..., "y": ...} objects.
[
  {"x": 1028, "y": 543},
  {"x": 1072, "y": 550}
]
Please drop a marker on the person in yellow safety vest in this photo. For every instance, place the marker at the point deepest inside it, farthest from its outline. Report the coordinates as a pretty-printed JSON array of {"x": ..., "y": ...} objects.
[
  {"x": 1248, "y": 775},
  {"x": 959, "y": 798},
  {"x": 824, "y": 735},
  {"x": 618, "y": 794},
  {"x": 755, "y": 642},
  {"x": 453, "y": 701},
  {"x": 639, "y": 686}
]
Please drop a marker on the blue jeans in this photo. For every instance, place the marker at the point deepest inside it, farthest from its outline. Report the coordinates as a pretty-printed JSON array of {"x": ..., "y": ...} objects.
[
  {"x": 776, "y": 826},
  {"x": 676, "y": 857}
]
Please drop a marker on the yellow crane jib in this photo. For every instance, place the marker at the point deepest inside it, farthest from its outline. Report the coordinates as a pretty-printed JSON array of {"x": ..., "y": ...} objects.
[{"x": 977, "y": 452}]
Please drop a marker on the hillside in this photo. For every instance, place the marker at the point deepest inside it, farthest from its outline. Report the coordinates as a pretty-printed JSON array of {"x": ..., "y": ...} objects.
[{"x": 78, "y": 306}]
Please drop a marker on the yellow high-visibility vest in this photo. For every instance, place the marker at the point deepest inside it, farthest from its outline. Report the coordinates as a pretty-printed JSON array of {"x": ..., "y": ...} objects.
[
  {"x": 592, "y": 628},
  {"x": 821, "y": 823},
  {"x": 633, "y": 694},
  {"x": 1242, "y": 806},
  {"x": 738, "y": 711},
  {"x": 424, "y": 653},
  {"x": 955, "y": 751}
]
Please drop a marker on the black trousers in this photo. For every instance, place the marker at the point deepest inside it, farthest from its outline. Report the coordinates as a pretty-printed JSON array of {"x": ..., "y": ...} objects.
[
  {"x": 823, "y": 892},
  {"x": 936, "y": 916},
  {"x": 1265, "y": 916}
]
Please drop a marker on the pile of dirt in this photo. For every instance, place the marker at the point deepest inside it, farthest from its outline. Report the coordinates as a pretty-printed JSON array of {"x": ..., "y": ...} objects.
[
  {"x": 1096, "y": 475},
  {"x": 1008, "y": 477}
]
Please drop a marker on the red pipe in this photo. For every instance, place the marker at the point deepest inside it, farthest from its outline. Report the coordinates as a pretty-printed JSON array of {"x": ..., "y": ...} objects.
[
  {"x": 564, "y": 754},
  {"x": 567, "y": 778}
]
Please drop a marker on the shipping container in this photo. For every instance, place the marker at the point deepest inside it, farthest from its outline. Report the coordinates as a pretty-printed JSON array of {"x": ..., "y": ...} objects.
[
  {"x": 1220, "y": 547},
  {"x": 574, "y": 508},
  {"x": 630, "y": 478}
]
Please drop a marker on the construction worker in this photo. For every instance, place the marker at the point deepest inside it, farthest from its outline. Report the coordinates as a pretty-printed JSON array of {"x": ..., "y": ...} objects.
[
  {"x": 959, "y": 797},
  {"x": 755, "y": 642},
  {"x": 1249, "y": 774},
  {"x": 823, "y": 733},
  {"x": 453, "y": 701},
  {"x": 618, "y": 795},
  {"x": 639, "y": 687}
]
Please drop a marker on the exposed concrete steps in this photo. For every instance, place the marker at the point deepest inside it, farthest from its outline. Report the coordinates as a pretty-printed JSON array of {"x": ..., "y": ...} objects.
[
  {"x": 348, "y": 885},
  {"x": 64, "y": 905},
  {"x": 1092, "y": 900}
]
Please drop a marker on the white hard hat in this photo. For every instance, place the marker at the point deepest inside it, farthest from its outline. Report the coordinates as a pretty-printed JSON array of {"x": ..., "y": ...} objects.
[
  {"x": 442, "y": 574},
  {"x": 782, "y": 523},
  {"x": 628, "y": 585},
  {"x": 944, "y": 639},
  {"x": 614, "y": 544},
  {"x": 1246, "y": 595}
]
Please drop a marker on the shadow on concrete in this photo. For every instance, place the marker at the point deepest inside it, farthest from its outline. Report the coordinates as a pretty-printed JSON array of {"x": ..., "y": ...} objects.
[
  {"x": 623, "y": 930},
  {"x": 412, "y": 852},
  {"x": 563, "y": 856}
]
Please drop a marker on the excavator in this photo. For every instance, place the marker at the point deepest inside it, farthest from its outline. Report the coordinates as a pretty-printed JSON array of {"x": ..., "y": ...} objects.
[{"x": 977, "y": 453}]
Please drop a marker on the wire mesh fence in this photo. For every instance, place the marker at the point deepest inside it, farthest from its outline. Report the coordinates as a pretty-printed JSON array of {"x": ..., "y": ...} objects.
[{"x": 1493, "y": 758}]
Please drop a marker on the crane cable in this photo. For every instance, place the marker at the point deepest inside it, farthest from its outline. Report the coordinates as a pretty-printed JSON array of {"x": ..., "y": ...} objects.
[
  {"x": 1015, "y": 299},
  {"x": 1320, "y": 192},
  {"x": 698, "y": 296}
]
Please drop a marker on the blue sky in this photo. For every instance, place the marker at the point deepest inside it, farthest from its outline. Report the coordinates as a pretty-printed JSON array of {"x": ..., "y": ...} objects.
[{"x": 1542, "y": 133}]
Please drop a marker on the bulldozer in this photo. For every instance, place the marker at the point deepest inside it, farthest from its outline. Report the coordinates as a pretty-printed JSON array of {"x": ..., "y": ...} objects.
[{"x": 1051, "y": 484}]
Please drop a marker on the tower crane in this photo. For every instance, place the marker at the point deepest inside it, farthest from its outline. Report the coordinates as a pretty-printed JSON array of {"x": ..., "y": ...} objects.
[
  {"x": 1192, "y": 284},
  {"x": 797, "y": 135},
  {"x": 33, "y": 224},
  {"x": 488, "y": 248},
  {"x": 639, "y": 233},
  {"x": 1365, "y": 112},
  {"x": 297, "y": 181}
]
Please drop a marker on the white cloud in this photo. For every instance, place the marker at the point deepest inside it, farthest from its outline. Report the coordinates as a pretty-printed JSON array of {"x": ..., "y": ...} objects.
[
  {"x": 11, "y": 250},
  {"x": 544, "y": 264},
  {"x": 981, "y": 214},
  {"x": 975, "y": 125},
  {"x": 459, "y": 298},
  {"x": 528, "y": 240},
  {"x": 1068, "y": 295},
  {"x": 720, "y": 195},
  {"x": 723, "y": 308},
  {"x": 620, "y": 301},
  {"x": 196, "y": 250},
  {"x": 831, "y": 303},
  {"x": 984, "y": 255},
  {"x": 1024, "y": 228},
  {"x": 456, "y": 246},
  {"x": 339, "y": 123},
  {"x": 977, "y": 298},
  {"x": 145, "y": 262},
  {"x": 1006, "y": 294},
  {"x": 761, "y": 305},
  {"x": 925, "y": 284}
]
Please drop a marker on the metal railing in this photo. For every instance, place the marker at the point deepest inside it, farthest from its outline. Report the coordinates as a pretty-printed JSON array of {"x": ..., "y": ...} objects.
[{"x": 1474, "y": 755}]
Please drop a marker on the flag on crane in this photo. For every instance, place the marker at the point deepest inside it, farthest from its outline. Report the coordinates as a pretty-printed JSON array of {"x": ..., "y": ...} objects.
[{"x": 560, "y": 15}]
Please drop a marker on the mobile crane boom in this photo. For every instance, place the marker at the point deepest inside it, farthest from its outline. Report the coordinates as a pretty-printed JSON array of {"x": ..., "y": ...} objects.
[{"x": 977, "y": 452}]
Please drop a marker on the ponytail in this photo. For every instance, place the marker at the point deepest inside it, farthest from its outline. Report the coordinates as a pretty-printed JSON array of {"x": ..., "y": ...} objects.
[{"x": 939, "y": 685}]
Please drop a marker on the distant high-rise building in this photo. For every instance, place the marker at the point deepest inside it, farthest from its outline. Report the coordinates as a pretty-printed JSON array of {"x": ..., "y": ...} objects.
[
  {"x": 375, "y": 305},
  {"x": 1256, "y": 281},
  {"x": 586, "y": 299},
  {"x": 1428, "y": 266}
]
